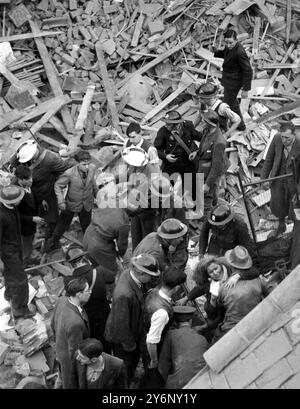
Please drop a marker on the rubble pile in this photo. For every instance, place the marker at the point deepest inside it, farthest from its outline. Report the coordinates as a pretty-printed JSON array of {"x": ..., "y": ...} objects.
[{"x": 77, "y": 72}]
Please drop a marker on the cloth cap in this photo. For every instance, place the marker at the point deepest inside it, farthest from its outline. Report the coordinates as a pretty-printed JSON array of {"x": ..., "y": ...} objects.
[
  {"x": 11, "y": 194},
  {"x": 172, "y": 229},
  {"x": 239, "y": 258},
  {"x": 173, "y": 117},
  {"x": 183, "y": 313},
  {"x": 26, "y": 152},
  {"x": 220, "y": 215},
  {"x": 146, "y": 263}
]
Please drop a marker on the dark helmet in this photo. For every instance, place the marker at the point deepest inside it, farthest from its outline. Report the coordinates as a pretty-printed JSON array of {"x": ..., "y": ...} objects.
[
  {"x": 172, "y": 117},
  {"x": 207, "y": 90},
  {"x": 221, "y": 214}
]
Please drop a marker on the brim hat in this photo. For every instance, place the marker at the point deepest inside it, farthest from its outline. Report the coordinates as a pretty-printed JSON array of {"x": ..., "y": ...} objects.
[
  {"x": 183, "y": 313},
  {"x": 146, "y": 263},
  {"x": 172, "y": 229},
  {"x": 11, "y": 194},
  {"x": 207, "y": 91},
  {"x": 220, "y": 215},
  {"x": 135, "y": 156},
  {"x": 239, "y": 258}
]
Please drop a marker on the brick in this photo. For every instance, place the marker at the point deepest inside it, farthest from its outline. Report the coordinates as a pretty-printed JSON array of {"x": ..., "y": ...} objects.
[
  {"x": 275, "y": 376},
  {"x": 293, "y": 327},
  {"x": 253, "y": 346},
  {"x": 242, "y": 372},
  {"x": 294, "y": 358},
  {"x": 155, "y": 27},
  {"x": 72, "y": 4},
  {"x": 218, "y": 381},
  {"x": 273, "y": 349},
  {"x": 293, "y": 383}
]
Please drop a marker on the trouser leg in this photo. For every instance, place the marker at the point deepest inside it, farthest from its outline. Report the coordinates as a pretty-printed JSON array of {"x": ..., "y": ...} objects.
[
  {"x": 230, "y": 97},
  {"x": 27, "y": 246},
  {"x": 131, "y": 359},
  {"x": 63, "y": 223},
  {"x": 16, "y": 283},
  {"x": 84, "y": 218}
]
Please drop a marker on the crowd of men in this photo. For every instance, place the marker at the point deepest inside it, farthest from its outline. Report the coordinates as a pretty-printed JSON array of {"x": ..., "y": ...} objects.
[{"x": 150, "y": 321}]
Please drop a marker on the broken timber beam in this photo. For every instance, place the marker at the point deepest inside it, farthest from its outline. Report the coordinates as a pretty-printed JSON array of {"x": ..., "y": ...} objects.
[
  {"x": 51, "y": 75},
  {"x": 284, "y": 59},
  {"x": 288, "y": 20},
  {"x": 275, "y": 114},
  {"x": 137, "y": 30},
  {"x": 165, "y": 102},
  {"x": 155, "y": 62},
  {"x": 29, "y": 36},
  {"x": 107, "y": 85}
]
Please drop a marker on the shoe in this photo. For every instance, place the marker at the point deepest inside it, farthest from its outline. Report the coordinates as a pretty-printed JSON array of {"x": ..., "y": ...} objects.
[{"x": 23, "y": 313}]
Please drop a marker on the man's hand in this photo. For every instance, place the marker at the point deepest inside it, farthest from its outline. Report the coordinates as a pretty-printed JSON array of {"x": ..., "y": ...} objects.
[
  {"x": 62, "y": 207},
  {"x": 45, "y": 205},
  {"x": 37, "y": 219},
  {"x": 193, "y": 155},
  {"x": 206, "y": 188},
  {"x": 182, "y": 301},
  {"x": 244, "y": 94},
  {"x": 231, "y": 282},
  {"x": 1, "y": 266},
  {"x": 171, "y": 158}
]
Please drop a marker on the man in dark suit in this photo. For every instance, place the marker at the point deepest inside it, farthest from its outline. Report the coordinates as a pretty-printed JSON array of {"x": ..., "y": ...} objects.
[
  {"x": 125, "y": 324},
  {"x": 95, "y": 369},
  {"x": 237, "y": 72},
  {"x": 27, "y": 209},
  {"x": 279, "y": 162},
  {"x": 70, "y": 325}
]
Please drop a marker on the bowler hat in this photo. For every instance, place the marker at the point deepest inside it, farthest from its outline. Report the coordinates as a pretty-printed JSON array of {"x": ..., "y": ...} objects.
[
  {"x": 183, "y": 313},
  {"x": 221, "y": 214},
  {"x": 239, "y": 258},
  {"x": 173, "y": 117},
  {"x": 11, "y": 194},
  {"x": 172, "y": 229},
  {"x": 207, "y": 90},
  {"x": 146, "y": 263}
]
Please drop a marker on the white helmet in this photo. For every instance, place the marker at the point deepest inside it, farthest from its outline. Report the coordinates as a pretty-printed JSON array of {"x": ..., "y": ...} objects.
[
  {"x": 26, "y": 152},
  {"x": 135, "y": 156}
]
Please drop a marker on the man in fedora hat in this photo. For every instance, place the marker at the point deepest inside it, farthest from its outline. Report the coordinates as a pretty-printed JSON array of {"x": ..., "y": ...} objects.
[
  {"x": 232, "y": 303},
  {"x": 168, "y": 245},
  {"x": 181, "y": 356},
  {"x": 11, "y": 254},
  {"x": 125, "y": 324},
  {"x": 222, "y": 231},
  {"x": 213, "y": 161},
  {"x": 207, "y": 94},
  {"x": 97, "y": 307}
]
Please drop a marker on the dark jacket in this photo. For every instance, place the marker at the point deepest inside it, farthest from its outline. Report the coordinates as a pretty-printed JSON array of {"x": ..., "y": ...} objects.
[
  {"x": 235, "y": 234},
  {"x": 28, "y": 209},
  {"x": 69, "y": 328},
  {"x": 80, "y": 193},
  {"x": 45, "y": 172},
  {"x": 166, "y": 144},
  {"x": 211, "y": 154},
  {"x": 237, "y": 71},
  {"x": 152, "y": 244},
  {"x": 125, "y": 323},
  {"x": 113, "y": 376},
  {"x": 10, "y": 234},
  {"x": 181, "y": 356},
  {"x": 282, "y": 191}
]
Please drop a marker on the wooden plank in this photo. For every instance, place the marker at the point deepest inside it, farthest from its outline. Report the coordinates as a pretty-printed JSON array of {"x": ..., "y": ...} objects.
[
  {"x": 29, "y": 36},
  {"x": 156, "y": 61},
  {"x": 279, "y": 112},
  {"x": 203, "y": 72},
  {"x": 21, "y": 85},
  {"x": 209, "y": 56},
  {"x": 284, "y": 59},
  {"x": 288, "y": 20},
  {"x": 107, "y": 85},
  {"x": 256, "y": 35},
  {"x": 51, "y": 75},
  {"x": 137, "y": 30},
  {"x": 165, "y": 102},
  {"x": 225, "y": 22}
]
